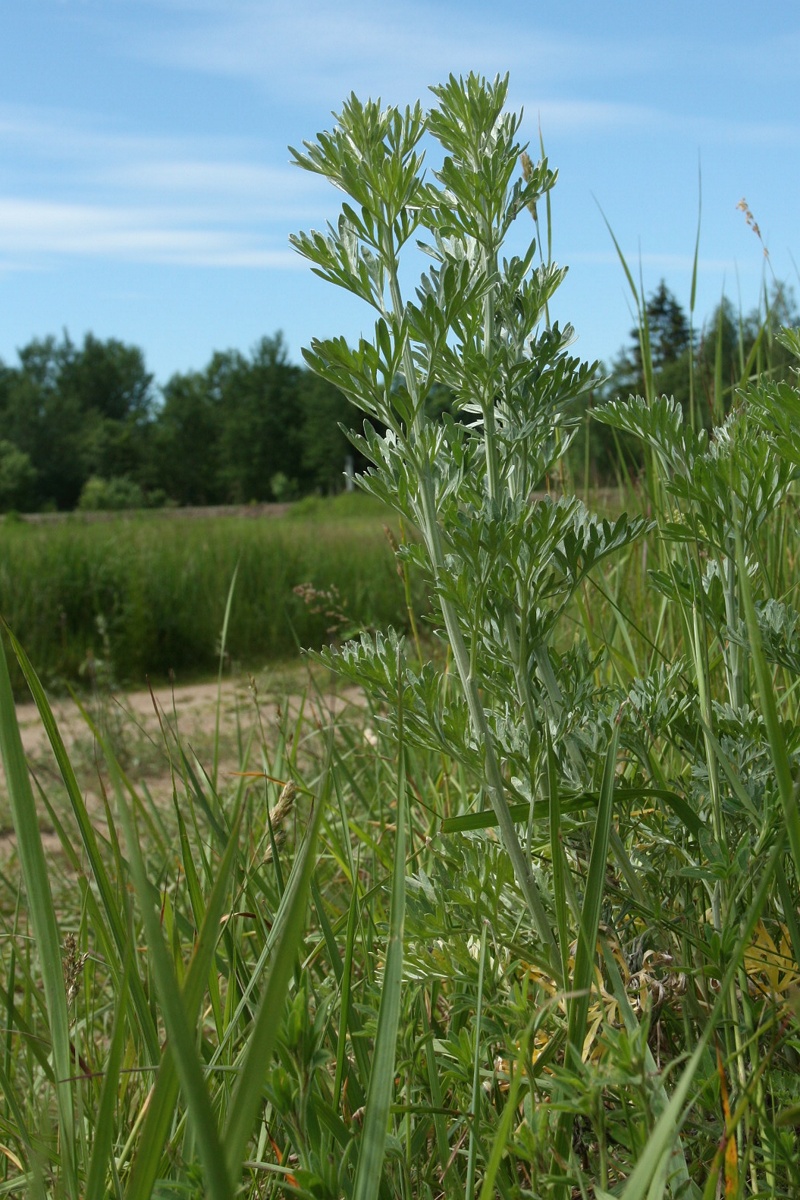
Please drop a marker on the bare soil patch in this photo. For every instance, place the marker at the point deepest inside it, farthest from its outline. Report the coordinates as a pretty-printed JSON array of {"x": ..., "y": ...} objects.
[{"x": 143, "y": 726}]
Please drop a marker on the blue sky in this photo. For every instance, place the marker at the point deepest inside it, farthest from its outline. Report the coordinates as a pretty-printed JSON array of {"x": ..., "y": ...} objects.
[{"x": 146, "y": 192}]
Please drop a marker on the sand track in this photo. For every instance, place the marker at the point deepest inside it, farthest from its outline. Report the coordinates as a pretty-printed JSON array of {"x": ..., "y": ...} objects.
[{"x": 141, "y": 726}]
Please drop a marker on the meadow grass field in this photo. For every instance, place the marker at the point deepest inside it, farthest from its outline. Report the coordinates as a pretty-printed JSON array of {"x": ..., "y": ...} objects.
[
  {"x": 140, "y": 597},
  {"x": 510, "y": 910}
]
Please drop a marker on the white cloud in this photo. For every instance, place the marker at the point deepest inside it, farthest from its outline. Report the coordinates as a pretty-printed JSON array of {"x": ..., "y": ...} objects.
[
  {"x": 69, "y": 185},
  {"x": 318, "y": 53},
  {"x": 236, "y": 189},
  {"x": 88, "y": 149},
  {"x": 42, "y": 229},
  {"x": 312, "y": 54},
  {"x": 314, "y": 50},
  {"x": 564, "y": 118}
]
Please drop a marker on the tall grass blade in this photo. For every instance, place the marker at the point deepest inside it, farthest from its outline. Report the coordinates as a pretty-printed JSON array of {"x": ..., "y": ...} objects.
[
  {"x": 501, "y": 1137},
  {"x": 369, "y": 1169},
  {"x": 560, "y": 866},
  {"x": 660, "y": 1144},
  {"x": 161, "y": 1107},
  {"x": 586, "y": 952},
  {"x": 693, "y": 414},
  {"x": 787, "y": 788},
  {"x": 96, "y": 1180},
  {"x": 43, "y": 918},
  {"x": 290, "y": 923},
  {"x": 644, "y": 325},
  {"x": 111, "y": 910},
  {"x": 223, "y": 641},
  {"x": 719, "y": 407},
  {"x": 696, "y": 255},
  {"x": 348, "y": 1018},
  {"x": 180, "y": 1031},
  {"x": 475, "y": 1101}
]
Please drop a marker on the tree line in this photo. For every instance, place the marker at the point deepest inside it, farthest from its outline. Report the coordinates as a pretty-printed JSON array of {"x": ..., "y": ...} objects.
[
  {"x": 702, "y": 368},
  {"x": 86, "y": 425}
]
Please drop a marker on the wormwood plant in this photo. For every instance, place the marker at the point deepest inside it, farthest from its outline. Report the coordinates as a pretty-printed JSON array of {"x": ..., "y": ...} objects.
[
  {"x": 722, "y": 573},
  {"x": 659, "y": 797},
  {"x": 515, "y": 704}
]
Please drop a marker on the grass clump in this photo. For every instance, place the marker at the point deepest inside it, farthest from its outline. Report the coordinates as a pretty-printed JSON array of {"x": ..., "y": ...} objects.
[
  {"x": 535, "y": 933},
  {"x": 147, "y": 598}
]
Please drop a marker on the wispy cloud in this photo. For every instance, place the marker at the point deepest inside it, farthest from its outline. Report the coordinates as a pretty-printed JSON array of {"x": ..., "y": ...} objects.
[
  {"x": 211, "y": 177},
  {"x": 62, "y": 138},
  {"x": 312, "y": 43},
  {"x": 75, "y": 187},
  {"x": 76, "y": 183},
  {"x": 570, "y": 117},
  {"x": 322, "y": 51},
  {"x": 37, "y": 229},
  {"x": 577, "y": 81}
]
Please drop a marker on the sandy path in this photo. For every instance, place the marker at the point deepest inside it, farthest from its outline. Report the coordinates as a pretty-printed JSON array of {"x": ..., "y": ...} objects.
[
  {"x": 199, "y": 700},
  {"x": 137, "y": 721},
  {"x": 193, "y": 707}
]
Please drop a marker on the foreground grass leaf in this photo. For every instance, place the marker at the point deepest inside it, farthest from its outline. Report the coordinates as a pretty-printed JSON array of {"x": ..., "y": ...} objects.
[
  {"x": 111, "y": 910},
  {"x": 42, "y": 916},
  {"x": 161, "y": 1106},
  {"x": 652, "y": 1165},
  {"x": 586, "y": 953},
  {"x": 486, "y": 818},
  {"x": 180, "y": 1031},
  {"x": 102, "y": 1146},
  {"x": 290, "y": 922},
  {"x": 381, "y": 1081}
]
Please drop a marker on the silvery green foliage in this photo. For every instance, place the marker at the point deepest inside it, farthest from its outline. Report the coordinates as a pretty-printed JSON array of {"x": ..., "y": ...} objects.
[
  {"x": 776, "y": 405},
  {"x": 502, "y": 568},
  {"x": 736, "y": 477},
  {"x": 779, "y": 626},
  {"x": 719, "y": 487}
]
